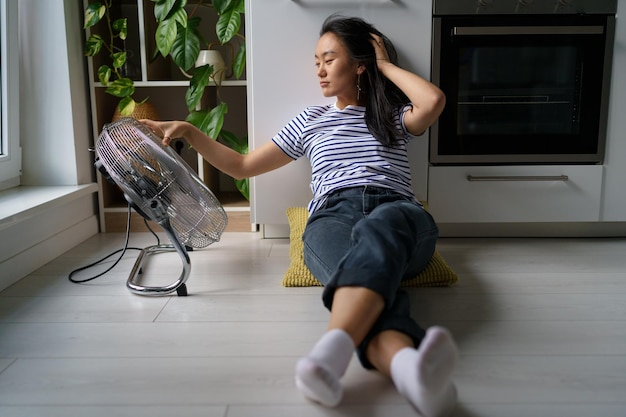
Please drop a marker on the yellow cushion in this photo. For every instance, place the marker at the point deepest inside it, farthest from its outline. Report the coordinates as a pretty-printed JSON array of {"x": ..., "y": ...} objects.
[{"x": 436, "y": 274}]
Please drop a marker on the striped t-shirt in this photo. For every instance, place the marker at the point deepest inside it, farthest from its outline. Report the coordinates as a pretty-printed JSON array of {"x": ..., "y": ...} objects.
[{"x": 343, "y": 153}]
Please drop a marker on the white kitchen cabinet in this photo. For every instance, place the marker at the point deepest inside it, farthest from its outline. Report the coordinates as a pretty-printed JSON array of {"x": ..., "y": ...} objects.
[
  {"x": 515, "y": 194},
  {"x": 593, "y": 195},
  {"x": 614, "y": 204}
]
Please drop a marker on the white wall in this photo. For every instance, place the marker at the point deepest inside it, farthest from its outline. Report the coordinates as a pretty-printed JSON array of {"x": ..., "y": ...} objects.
[
  {"x": 55, "y": 122},
  {"x": 55, "y": 136}
]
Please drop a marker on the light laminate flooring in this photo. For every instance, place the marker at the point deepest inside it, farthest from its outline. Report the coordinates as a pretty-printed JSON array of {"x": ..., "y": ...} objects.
[{"x": 541, "y": 325}]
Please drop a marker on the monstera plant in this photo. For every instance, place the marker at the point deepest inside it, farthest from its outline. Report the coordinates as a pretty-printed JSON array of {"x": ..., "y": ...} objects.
[{"x": 178, "y": 36}]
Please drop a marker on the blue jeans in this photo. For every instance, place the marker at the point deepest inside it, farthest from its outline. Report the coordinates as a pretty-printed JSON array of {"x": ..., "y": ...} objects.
[{"x": 374, "y": 238}]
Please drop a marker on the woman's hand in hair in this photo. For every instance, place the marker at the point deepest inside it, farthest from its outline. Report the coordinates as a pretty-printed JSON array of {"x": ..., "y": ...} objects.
[
  {"x": 427, "y": 99},
  {"x": 382, "y": 58}
]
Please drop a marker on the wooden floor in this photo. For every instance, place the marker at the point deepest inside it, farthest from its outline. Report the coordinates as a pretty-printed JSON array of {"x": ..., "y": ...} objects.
[{"x": 541, "y": 324}]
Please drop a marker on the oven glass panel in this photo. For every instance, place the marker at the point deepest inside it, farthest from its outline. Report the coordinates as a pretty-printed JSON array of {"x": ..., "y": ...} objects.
[
  {"x": 525, "y": 89},
  {"x": 520, "y": 93}
]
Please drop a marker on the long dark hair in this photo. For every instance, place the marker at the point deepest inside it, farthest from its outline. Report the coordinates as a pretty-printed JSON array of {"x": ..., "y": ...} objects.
[{"x": 383, "y": 98}]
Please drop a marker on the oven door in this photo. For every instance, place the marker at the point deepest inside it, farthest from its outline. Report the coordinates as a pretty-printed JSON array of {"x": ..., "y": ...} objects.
[{"x": 529, "y": 89}]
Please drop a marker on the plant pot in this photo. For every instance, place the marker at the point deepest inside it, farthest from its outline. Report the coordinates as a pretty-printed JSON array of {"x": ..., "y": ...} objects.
[
  {"x": 145, "y": 110},
  {"x": 214, "y": 58}
]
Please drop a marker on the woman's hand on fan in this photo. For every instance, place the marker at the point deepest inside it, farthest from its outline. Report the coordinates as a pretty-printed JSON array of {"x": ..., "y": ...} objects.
[
  {"x": 222, "y": 157},
  {"x": 167, "y": 130}
]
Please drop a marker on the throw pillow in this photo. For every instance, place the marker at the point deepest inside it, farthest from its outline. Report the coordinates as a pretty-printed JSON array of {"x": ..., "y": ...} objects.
[{"x": 436, "y": 274}]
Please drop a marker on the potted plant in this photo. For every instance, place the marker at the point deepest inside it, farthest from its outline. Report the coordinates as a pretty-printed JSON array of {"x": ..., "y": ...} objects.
[
  {"x": 110, "y": 73},
  {"x": 178, "y": 36}
]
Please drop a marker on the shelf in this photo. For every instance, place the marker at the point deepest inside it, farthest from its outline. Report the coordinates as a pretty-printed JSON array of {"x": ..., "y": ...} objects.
[
  {"x": 230, "y": 201},
  {"x": 117, "y": 220},
  {"x": 233, "y": 201},
  {"x": 151, "y": 84},
  {"x": 237, "y": 209},
  {"x": 160, "y": 81}
]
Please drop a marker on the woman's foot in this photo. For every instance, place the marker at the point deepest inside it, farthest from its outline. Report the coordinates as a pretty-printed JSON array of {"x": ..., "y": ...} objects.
[
  {"x": 424, "y": 375},
  {"x": 318, "y": 374},
  {"x": 317, "y": 383}
]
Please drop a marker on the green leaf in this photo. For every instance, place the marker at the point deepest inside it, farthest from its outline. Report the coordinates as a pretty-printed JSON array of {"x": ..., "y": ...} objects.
[
  {"x": 126, "y": 106},
  {"x": 200, "y": 79},
  {"x": 165, "y": 8},
  {"x": 122, "y": 87},
  {"x": 239, "y": 6},
  {"x": 180, "y": 17},
  {"x": 165, "y": 35},
  {"x": 104, "y": 75},
  {"x": 230, "y": 139},
  {"x": 239, "y": 63},
  {"x": 221, "y": 6},
  {"x": 241, "y": 146},
  {"x": 186, "y": 46},
  {"x": 119, "y": 59},
  {"x": 121, "y": 27},
  {"x": 209, "y": 122},
  {"x": 216, "y": 121},
  {"x": 227, "y": 26},
  {"x": 93, "y": 45},
  {"x": 243, "y": 186},
  {"x": 200, "y": 119},
  {"x": 93, "y": 14}
]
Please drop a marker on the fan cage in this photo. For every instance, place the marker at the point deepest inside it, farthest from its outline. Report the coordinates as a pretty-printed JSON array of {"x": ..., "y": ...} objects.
[{"x": 160, "y": 183}]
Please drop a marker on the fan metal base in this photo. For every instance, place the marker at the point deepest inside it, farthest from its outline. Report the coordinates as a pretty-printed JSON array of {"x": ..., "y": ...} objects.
[{"x": 134, "y": 280}]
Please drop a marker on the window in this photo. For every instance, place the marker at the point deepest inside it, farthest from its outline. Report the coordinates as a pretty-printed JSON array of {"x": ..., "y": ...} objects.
[{"x": 10, "y": 152}]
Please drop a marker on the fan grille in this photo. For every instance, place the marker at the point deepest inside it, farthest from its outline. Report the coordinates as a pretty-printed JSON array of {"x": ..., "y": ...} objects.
[{"x": 160, "y": 183}]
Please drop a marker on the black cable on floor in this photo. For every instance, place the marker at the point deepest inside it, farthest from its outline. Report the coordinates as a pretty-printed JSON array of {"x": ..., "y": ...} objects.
[{"x": 123, "y": 250}]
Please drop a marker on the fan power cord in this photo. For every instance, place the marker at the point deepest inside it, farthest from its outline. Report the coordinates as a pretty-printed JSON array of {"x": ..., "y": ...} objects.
[{"x": 123, "y": 250}]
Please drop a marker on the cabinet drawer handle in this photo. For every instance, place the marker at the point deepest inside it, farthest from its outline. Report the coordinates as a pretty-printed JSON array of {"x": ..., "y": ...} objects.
[
  {"x": 527, "y": 30},
  {"x": 518, "y": 178}
]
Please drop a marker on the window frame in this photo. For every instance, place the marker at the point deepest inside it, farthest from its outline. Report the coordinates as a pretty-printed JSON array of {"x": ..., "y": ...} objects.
[{"x": 10, "y": 149}]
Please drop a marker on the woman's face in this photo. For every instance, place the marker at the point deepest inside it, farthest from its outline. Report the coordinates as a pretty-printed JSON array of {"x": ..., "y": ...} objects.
[{"x": 336, "y": 71}]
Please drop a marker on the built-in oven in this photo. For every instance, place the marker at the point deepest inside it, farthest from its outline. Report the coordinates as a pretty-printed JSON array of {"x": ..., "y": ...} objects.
[{"x": 526, "y": 81}]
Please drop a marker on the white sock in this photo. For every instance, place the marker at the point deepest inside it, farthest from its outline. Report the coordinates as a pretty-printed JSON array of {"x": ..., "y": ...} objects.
[
  {"x": 423, "y": 375},
  {"x": 318, "y": 374}
]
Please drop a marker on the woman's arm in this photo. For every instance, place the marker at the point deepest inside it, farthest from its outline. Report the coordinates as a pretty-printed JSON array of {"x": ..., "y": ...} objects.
[
  {"x": 263, "y": 159},
  {"x": 427, "y": 99}
]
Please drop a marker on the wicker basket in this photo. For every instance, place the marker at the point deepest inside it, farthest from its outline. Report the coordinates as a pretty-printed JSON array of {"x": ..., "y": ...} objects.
[{"x": 142, "y": 111}]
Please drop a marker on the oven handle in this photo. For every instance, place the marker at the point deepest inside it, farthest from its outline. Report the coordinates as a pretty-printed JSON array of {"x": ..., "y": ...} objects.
[
  {"x": 518, "y": 178},
  {"x": 527, "y": 30}
]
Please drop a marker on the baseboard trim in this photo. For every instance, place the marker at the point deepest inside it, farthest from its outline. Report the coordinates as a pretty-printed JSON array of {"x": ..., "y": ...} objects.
[
  {"x": 40, "y": 223},
  {"x": 565, "y": 229},
  {"x": 24, "y": 263}
]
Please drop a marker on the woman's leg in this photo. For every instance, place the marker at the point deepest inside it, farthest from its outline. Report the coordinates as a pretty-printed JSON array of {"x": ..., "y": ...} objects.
[
  {"x": 369, "y": 255},
  {"x": 383, "y": 348},
  {"x": 327, "y": 239},
  {"x": 354, "y": 312},
  {"x": 423, "y": 375},
  {"x": 395, "y": 241}
]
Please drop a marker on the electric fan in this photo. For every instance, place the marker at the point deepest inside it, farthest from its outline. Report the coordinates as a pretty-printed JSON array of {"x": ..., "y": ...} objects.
[{"x": 161, "y": 187}]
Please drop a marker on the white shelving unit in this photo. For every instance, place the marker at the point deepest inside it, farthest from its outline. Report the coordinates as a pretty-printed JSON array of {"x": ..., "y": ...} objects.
[{"x": 165, "y": 86}]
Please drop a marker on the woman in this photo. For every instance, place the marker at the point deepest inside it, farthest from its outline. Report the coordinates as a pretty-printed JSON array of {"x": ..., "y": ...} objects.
[{"x": 366, "y": 232}]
